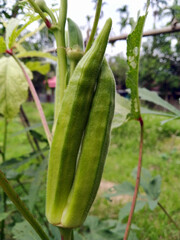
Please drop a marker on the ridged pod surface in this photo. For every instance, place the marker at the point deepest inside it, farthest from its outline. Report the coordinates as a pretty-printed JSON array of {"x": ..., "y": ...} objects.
[
  {"x": 93, "y": 152},
  {"x": 70, "y": 126}
]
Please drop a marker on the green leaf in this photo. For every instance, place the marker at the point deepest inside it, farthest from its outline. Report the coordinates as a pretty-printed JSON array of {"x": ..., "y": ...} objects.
[
  {"x": 122, "y": 111},
  {"x": 123, "y": 188},
  {"x": 11, "y": 32},
  {"x": 2, "y": 45},
  {"x": 36, "y": 184},
  {"x": 124, "y": 211},
  {"x": 153, "y": 97},
  {"x": 26, "y": 54},
  {"x": 24, "y": 231},
  {"x": 151, "y": 185},
  {"x": 4, "y": 215},
  {"x": 25, "y": 25},
  {"x": 133, "y": 56},
  {"x": 39, "y": 67},
  {"x": 13, "y": 87}
]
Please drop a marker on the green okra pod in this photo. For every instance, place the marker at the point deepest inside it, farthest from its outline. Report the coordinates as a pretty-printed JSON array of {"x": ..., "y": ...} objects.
[
  {"x": 70, "y": 126},
  {"x": 93, "y": 152}
]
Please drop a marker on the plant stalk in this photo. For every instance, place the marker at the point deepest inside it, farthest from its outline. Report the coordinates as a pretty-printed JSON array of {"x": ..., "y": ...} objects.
[
  {"x": 66, "y": 233},
  {"x": 36, "y": 100},
  {"x": 137, "y": 181},
  {"x": 62, "y": 59},
  {"x": 21, "y": 206},
  {"x": 94, "y": 28},
  {"x": 4, "y": 198}
]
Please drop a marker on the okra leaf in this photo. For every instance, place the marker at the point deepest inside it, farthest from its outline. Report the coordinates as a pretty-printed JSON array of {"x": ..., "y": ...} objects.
[
  {"x": 39, "y": 67},
  {"x": 124, "y": 211},
  {"x": 36, "y": 184},
  {"x": 151, "y": 185},
  {"x": 2, "y": 45},
  {"x": 153, "y": 97},
  {"x": 122, "y": 111},
  {"x": 133, "y": 57},
  {"x": 13, "y": 87},
  {"x": 24, "y": 231},
  {"x": 40, "y": 54},
  {"x": 120, "y": 189},
  {"x": 11, "y": 29}
]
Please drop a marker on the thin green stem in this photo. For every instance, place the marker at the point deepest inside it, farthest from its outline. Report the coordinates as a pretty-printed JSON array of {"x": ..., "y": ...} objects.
[
  {"x": 66, "y": 233},
  {"x": 168, "y": 215},
  {"x": 128, "y": 226},
  {"x": 36, "y": 100},
  {"x": 94, "y": 28},
  {"x": 21, "y": 206},
  {"x": 62, "y": 59},
  {"x": 4, "y": 199}
]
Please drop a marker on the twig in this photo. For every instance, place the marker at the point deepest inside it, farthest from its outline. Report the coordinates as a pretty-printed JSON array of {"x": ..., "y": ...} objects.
[
  {"x": 137, "y": 182},
  {"x": 168, "y": 215}
]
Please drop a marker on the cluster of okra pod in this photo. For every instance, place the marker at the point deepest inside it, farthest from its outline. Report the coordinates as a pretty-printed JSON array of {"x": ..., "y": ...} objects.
[{"x": 82, "y": 131}]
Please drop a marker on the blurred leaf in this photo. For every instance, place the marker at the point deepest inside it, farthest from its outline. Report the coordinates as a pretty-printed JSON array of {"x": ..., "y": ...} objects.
[
  {"x": 15, "y": 163},
  {"x": 4, "y": 215},
  {"x": 124, "y": 212},
  {"x": 36, "y": 184},
  {"x": 2, "y": 45},
  {"x": 13, "y": 87},
  {"x": 149, "y": 111},
  {"x": 151, "y": 185},
  {"x": 120, "y": 230},
  {"x": 152, "y": 204},
  {"x": 11, "y": 28},
  {"x": 40, "y": 54},
  {"x": 39, "y": 67},
  {"x": 120, "y": 189},
  {"x": 133, "y": 55},
  {"x": 38, "y": 136},
  {"x": 122, "y": 110},
  {"x": 24, "y": 231},
  {"x": 151, "y": 96}
]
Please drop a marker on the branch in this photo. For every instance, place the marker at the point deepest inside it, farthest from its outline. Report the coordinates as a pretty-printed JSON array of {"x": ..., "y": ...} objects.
[
  {"x": 169, "y": 29},
  {"x": 137, "y": 182}
]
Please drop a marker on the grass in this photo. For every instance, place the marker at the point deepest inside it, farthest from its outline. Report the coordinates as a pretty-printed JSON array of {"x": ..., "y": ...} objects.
[{"x": 161, "y": 156}]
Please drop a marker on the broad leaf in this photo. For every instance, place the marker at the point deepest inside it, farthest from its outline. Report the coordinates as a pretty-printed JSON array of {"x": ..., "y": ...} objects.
[
  {"x": 124, "y": 212},
  {"x": 151, "y": 185},
  {"x": 2, "y": 45},
  {"x": 120, "y": 189},
  {"x": 24, "y": 231},
  {"x": 122, "y": 110},
  {"x": 13, "y": 87},
  {"x": 153, "y": 97},
  {"x": 26, "y": 54},
  {"x": 39, "y": 67},
  {"x": 133, "y": 56}
]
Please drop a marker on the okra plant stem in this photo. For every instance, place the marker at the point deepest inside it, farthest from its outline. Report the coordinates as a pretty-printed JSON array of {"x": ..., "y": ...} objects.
[
  {"x": 137, "y": 181},
  {"x": 4, "y": 199},
  {"x": 66, "y": 233},
  {"x": 62, "y": 59},
  {"x": 94, "y": 28},
  {"x": 7, "y": 188}
]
